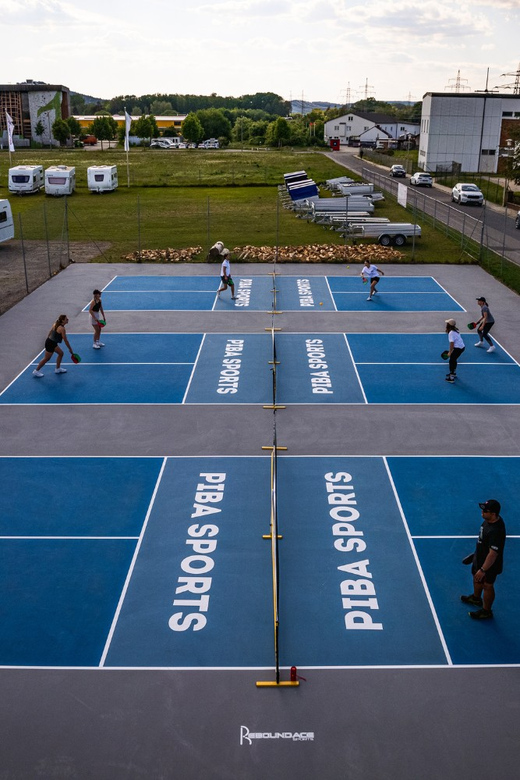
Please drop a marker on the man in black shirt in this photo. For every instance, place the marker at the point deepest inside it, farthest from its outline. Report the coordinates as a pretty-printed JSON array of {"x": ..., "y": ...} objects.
[{"x": 487, "y": 560}]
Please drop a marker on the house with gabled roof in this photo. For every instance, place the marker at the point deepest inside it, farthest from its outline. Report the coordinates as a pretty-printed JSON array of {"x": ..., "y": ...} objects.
[{"x": 372, "y": 126}]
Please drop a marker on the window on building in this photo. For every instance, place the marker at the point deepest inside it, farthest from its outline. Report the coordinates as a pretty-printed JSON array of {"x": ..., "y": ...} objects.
[
  {"x": 348, "y": 127},
  {"x": 489, "y": 152},
  {"x": 507, "y": 113},
  {"x": 366, "y": 127},
  {"x": 336, "y": 127},
  {"x": 351, "y": 119}
]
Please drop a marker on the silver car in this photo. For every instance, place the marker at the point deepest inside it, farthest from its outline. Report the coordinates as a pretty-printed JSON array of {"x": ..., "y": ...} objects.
[{"x": 467, "y": 193}]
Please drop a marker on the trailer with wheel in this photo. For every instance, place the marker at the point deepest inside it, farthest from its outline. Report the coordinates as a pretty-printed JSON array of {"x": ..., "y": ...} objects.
[{"x": 392, "y": 233}]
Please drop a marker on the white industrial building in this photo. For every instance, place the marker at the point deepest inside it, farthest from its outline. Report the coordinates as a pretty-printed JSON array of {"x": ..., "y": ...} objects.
[
  {"x": 358, "y": 125},
  {"x": 469, "y": 130}
]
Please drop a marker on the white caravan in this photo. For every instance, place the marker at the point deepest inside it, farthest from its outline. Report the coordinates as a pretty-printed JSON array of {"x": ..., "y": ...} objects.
[
  {"x": 23, "y": 179},
  {"x": 6, "y": 221},
  {"x": 102, "y": 178},
  {"x": 60, "y": 180}
]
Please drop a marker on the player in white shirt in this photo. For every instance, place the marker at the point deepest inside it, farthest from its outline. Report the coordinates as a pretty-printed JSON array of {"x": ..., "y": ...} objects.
[
  {"x": 456, "y": 349},
  {"x": 225, "y": 275},
  {"x": 372, "y": 273}
]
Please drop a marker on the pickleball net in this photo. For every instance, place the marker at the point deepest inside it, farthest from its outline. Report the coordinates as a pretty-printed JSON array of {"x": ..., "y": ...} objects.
[{"x": 273, "y": 536}]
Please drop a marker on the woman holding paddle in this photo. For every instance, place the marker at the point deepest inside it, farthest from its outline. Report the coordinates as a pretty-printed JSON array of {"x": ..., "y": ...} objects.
[
  {"x": 456, "y": 349},
  {"x": 97, "y": 318},
  {"x": 57, "y": 334}
]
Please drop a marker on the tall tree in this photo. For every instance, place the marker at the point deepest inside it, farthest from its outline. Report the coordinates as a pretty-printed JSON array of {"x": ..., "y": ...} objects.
[
  {"x": 61, "y": 131},
  {"x": 192, "y": 129}
]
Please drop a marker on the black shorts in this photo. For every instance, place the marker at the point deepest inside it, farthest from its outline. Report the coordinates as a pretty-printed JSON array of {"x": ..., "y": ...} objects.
[
  {"x": 50, "y": 345},
  {"x": 491, "y": 574},
  {"x": 374, "y": 278}
]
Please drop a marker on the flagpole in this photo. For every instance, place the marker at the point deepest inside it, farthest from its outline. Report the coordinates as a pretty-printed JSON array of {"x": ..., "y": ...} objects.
[{"x": 128, "y": 122}]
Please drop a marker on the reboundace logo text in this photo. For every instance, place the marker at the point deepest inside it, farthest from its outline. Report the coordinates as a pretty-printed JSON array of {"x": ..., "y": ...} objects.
[{"x": 293, "y": 736}]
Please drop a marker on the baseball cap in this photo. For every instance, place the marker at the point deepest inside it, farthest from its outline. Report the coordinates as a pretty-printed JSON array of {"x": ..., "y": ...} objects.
[
  {"x": 450, "y": 322},
  {"x": 225, "y": 251},
  {"x": 481, "y": 299},
  {"x": 491, "y": 506}
]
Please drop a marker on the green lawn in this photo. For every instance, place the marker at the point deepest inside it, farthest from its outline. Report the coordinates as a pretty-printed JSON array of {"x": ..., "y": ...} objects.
[{"x": 192, "y": 198}]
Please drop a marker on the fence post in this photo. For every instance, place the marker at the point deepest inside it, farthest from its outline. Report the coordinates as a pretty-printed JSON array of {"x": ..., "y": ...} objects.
[
  {"x": 47, "y": 238},
  {"x": 138, "y": 230},
  {"x": 207, "y": 222},
  {"x": 23, "y": 254},
  {"x": 67, "y": 230}
]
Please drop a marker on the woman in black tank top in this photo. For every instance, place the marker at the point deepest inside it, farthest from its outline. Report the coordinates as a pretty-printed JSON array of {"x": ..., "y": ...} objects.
[{"x": 57, "y": 334}]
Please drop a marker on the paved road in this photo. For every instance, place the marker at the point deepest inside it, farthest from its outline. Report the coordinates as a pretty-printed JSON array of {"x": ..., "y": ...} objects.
[{"x": 490, "y": 224}]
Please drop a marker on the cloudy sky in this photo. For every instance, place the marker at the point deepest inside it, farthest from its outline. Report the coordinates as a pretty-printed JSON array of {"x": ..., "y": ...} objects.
[{"x": 392, "y": 49}]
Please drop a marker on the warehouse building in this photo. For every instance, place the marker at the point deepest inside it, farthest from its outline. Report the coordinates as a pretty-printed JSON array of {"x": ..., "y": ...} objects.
[{"x": 28, "y": 104}]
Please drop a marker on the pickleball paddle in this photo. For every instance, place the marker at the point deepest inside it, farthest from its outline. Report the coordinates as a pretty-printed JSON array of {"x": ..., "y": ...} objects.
[
  {"x": 445, "y": 354},
  {"x": 472, "y": 325},
  {"x": 75, "y": 358}
]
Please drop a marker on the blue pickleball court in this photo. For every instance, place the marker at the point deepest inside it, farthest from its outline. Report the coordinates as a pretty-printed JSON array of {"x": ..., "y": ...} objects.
[
  {"x": 159, "y": 561},
  {"x": 292, "y": 293},
  {"x": 218, "y": 368}
]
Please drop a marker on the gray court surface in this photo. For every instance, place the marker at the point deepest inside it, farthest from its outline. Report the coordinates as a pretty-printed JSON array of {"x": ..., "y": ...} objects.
[{"x": 356, "y": 724}]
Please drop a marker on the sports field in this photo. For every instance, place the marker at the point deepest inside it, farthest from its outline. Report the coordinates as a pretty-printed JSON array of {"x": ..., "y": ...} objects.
[{"x": 139, "y": 564}]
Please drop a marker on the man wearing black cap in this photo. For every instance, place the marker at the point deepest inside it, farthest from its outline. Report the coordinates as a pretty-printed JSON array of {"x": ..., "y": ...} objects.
[{"x": 487, "y": 560}]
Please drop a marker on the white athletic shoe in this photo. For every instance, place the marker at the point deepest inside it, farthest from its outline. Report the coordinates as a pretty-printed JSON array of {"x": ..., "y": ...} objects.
[
  {"x": 60, "y": 370},
  {"x": 479, "y": 344},
  {"x": 369, "y": 298},
  {"x": 492, "y": 348},
  {"x": 37, "y": 373},
  {"x": 96, "y": 346},
  {"x": 101, "y": 344}
]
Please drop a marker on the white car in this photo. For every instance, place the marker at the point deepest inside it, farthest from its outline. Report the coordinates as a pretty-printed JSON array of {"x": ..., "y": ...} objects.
[
  {"x": 421, "y": 180},
  {"x": 467, "y": 193},
  {"x": 161, "y": 143}
]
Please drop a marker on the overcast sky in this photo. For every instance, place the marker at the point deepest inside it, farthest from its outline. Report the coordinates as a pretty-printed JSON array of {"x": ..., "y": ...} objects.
[{"x": 401, "y": 48}]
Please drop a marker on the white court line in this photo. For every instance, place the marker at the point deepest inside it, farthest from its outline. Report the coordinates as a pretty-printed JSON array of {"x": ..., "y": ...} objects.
[
  {"x": 368, "y": 668},
  {"x": 193, "y": 370},
  {"x": 447, "y": 293},
  {"x": 355, "y": 369},
  {"x": 395, "y": 292},
  {"x": 331, "y": 294},
  {"x": 109, "y": 283},
  {"x": 418, "y": 564},
  {"x": 74, "y": 538},
  {"x": 132, "y": 566},
  {"x": 459, "y": 536}
]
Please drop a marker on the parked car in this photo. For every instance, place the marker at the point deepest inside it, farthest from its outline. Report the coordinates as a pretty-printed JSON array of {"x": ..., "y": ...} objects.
[
  {"x": 161, "y": 143},
  {"x": 421, "y": 180},
  {"x": 397, "y": 170},
  {"x": 89, "y": 140},
  {"x": 467, "y": 193},
  {"x": 517, "y": 221}
]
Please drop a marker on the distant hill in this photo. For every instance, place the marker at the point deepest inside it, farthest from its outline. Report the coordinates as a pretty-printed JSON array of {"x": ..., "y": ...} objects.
[
  {"x": 89, "y": 98},
  {"x": 308, "y": 106}
]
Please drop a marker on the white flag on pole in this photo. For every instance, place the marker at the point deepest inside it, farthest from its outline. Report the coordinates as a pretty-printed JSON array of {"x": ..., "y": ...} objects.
[
  {"x": 128, "y": 122},
  {"x": 10, "y": 129}
]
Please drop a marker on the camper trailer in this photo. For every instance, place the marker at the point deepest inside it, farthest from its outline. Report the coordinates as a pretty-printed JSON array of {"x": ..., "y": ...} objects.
[
  {"x": 6, "y": 221},
  {"x": 102, "y": 178},
  {"x": 24, "y": 179},
  {"x": 60, "y": 180}
]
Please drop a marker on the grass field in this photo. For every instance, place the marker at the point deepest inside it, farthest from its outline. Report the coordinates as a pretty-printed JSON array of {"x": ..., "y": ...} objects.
[{"x": 191, "y": 198}]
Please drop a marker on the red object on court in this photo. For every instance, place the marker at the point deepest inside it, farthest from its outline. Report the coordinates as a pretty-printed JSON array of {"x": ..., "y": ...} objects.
[{"x": 294, "y": 674}]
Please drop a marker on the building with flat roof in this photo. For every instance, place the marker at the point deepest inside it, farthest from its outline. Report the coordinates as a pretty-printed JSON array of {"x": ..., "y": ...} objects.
[
  {"x": 468, "y": 131},
  {"x": 163, "y": 122},
  {"x": 29, "y": 103}
]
